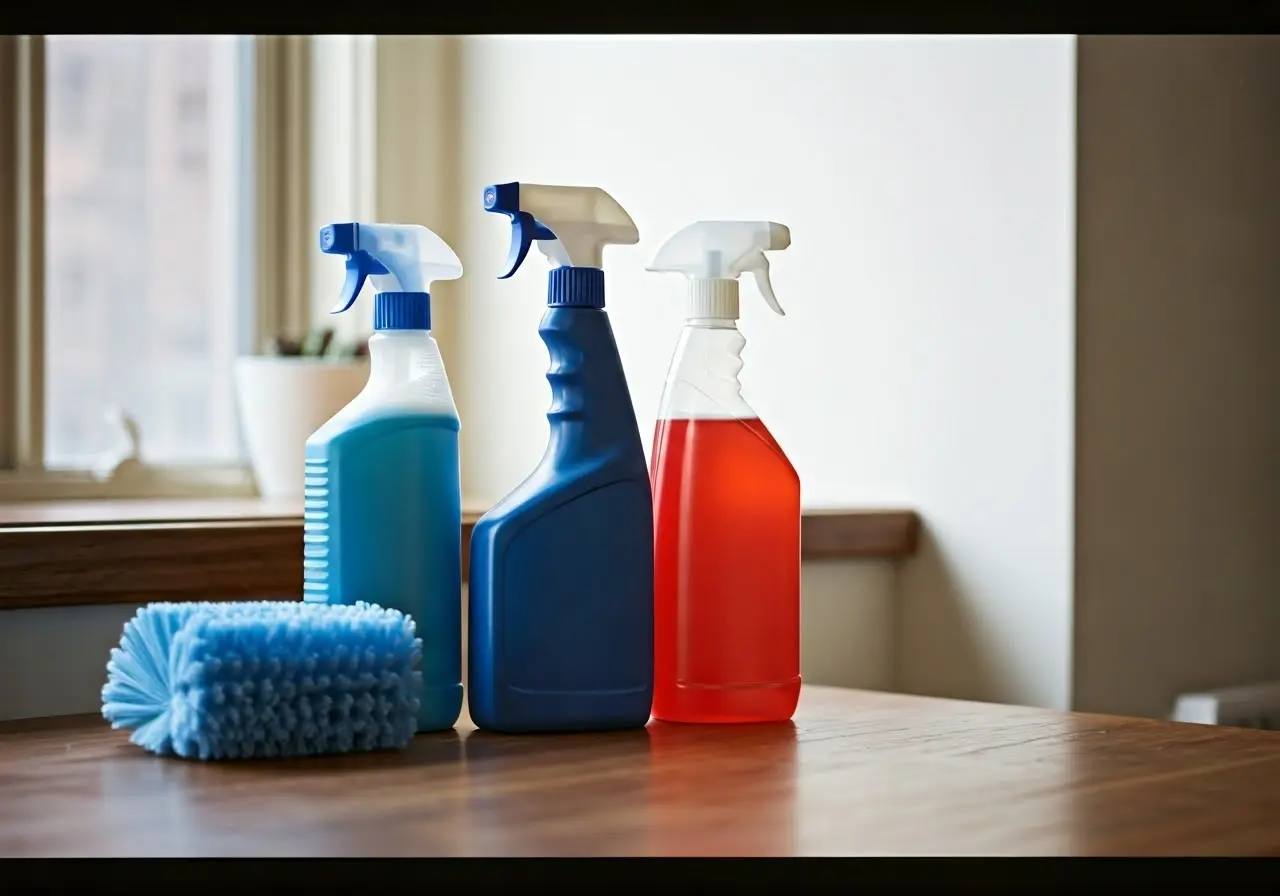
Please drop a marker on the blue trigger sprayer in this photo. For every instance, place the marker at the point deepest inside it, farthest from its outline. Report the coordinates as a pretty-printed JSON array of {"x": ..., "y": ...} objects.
[
  {"x": 560, "y": 626},
  {"x": 383, "y": 510}
]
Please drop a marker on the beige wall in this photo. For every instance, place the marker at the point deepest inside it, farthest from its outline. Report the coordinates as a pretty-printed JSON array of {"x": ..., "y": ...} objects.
[{"x": 1178, "y": 368}]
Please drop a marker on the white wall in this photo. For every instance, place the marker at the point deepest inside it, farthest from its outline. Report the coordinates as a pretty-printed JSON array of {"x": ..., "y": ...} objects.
[{"x": 926, "y": 359}]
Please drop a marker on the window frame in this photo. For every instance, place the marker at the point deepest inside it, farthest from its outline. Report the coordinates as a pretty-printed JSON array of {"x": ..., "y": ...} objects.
[{"x": 279, "y": 178}]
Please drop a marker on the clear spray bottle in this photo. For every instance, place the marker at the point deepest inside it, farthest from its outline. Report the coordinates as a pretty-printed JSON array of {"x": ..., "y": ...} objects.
[{"x": 726, "y": 502}]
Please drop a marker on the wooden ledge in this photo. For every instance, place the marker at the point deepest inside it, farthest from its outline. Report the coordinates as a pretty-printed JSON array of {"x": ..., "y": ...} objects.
[{"x": 69, "y": 553}]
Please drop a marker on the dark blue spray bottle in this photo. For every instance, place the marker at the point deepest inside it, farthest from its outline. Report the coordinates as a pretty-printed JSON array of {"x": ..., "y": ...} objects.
[{"x": 560, "y": 627}]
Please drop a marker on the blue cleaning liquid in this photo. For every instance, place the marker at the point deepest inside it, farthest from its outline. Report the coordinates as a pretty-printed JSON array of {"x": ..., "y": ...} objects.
[{"x": 383, "y": 522}]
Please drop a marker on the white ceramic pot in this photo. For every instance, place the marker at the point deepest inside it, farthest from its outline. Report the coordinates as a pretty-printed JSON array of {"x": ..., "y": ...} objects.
[{"x": 282, "y": 401}]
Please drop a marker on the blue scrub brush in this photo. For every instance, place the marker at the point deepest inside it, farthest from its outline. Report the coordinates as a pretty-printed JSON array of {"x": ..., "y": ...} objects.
[{"x": 264, "y": 679}]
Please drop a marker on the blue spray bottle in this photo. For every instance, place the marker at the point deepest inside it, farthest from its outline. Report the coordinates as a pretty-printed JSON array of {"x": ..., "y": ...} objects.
[
  {"x": 383, "y": 512},
  {"x": 560, "y": 626}
]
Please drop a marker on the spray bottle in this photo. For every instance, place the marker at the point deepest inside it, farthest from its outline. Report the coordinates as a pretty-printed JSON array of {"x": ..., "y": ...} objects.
[
  {"x": 726, "y": 503},
  {"x": 383, "y": 499},
  {"x": 560, "y": 624}
]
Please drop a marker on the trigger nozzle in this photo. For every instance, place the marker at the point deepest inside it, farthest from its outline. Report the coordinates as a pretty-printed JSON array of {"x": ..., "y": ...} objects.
[
  {"x": 359, "y": 266},
  {"x": 338, "y": 239},
  {"x": 524, "y": 230},
  {"x": 760, "y": 270},
  {"x": 521, "y": 240},
  {"x": 779, "y": 236}
]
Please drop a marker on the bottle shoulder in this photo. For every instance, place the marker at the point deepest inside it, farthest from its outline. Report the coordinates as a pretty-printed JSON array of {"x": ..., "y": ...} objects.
[
  {"x": 548, "y": 489},
  {"x": 687, "y": 443},
  {"x": 407, "y": 386},
  {"x": 372, "y": 421}
]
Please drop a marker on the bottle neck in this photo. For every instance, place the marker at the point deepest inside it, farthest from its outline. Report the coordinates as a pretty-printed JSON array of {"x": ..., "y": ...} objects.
[
  {"x": 591, "y": 412},
  {"x": 709, "y": 345},
  {"x": 575, "y": 287},
  {"x": 703, "y": 380},
  {"x": 397, "y": 356}
]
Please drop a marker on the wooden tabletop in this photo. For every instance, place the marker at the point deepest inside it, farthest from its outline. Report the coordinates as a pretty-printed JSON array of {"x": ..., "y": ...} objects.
[{"x": 857, "y": 773}]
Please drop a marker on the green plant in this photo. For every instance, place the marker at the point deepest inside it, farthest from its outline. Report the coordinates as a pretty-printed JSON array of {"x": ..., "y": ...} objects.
[{"x": 318, "y": 344}]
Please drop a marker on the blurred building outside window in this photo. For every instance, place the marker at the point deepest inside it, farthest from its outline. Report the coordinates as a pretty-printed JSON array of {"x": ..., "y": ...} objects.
[{"x": 144, "y": 306}]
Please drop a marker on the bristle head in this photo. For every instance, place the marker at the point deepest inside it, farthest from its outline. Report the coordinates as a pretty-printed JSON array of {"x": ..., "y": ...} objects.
[{"x": 265, "y": 678}]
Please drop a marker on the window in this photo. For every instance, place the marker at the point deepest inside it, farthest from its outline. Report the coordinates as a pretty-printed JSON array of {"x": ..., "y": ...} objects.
[
  {"x": 140, "y": 179},
  {"x": 136, "y": 236}
]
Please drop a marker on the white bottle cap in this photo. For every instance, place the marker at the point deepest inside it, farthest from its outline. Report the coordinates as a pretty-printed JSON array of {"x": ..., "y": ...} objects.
[{"x": 713, "y": 254}]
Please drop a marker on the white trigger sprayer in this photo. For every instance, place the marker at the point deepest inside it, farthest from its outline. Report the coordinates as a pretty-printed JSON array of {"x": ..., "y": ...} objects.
[
  {"x": 571, "y": 225},
  {"x": 713, "y": 254}
]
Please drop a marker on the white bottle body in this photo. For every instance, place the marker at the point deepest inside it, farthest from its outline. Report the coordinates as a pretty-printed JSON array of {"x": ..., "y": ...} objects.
[
  {"x": 383, "y": 509},
  {"x": 406, "y": 375}
]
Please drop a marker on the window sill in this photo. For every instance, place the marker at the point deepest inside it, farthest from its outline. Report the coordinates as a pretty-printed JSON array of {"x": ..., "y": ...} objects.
[
  {"x": 70, "y": 553},
  {"x": 128, "y": 482}
]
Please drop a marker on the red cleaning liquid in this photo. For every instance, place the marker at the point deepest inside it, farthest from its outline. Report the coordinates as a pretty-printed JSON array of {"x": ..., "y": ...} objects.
[{"x": 726, "y": 573}]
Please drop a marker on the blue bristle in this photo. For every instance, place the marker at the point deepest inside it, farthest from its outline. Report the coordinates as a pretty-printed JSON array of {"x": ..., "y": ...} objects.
[{"x": 264, "y": 679}]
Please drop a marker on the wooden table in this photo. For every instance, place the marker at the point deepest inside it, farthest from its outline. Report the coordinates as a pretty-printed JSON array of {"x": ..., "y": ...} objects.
[{"x": 857, "y": 773}]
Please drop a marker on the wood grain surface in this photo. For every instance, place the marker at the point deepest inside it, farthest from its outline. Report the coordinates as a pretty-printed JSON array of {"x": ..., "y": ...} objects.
[
  {"x": 66, "y": 553},
  {"x": 857, "y": 773}
]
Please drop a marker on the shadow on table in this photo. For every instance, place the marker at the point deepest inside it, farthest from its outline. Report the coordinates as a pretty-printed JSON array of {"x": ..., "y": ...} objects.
[{"x": 426, "y": 749}]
